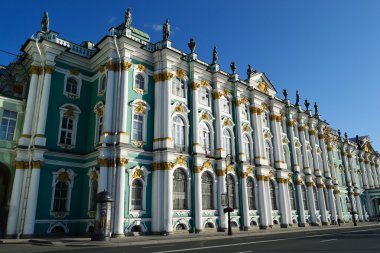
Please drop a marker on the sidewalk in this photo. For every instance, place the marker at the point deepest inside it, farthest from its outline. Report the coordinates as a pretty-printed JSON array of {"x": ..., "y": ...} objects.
[{"x": 176, "y": 237}]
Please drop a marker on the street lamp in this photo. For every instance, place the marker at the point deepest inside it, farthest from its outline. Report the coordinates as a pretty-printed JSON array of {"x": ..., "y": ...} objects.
[{"x": 228, "y": 209}]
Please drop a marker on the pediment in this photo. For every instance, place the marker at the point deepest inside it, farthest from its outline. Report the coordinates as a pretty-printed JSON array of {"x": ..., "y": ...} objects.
[{"x": 261, "y": 82}]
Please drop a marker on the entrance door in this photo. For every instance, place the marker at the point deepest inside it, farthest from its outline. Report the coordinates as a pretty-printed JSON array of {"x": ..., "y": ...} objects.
[{"x": 4, "y": 185}]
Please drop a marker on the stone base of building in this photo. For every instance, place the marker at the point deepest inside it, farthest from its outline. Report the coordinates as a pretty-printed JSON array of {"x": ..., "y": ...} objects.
[
  {"x": 263, "y": 227},
  {"x": 314, "y": 224},
  {"x": 118, "y": 235},
  {"x": 245, "y": 228},
  {"x": 222, "y": 229},
  {"x": 325, "y": 223},
  {"x": 301, "y": 225},
  {"x": 284, "y": 225}
]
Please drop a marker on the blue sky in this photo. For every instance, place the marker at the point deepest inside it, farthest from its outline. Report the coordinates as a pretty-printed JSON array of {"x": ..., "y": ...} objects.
[{"x": 327, "y": 49}]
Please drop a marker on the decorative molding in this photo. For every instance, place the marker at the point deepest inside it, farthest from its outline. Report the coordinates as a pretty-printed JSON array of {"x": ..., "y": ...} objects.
[
  {"x": 180, "y": 73},
  {"x": 164, "y": 76},
  {"x": 195, "y": 86},
  {"x": 49, "y": 69},
  {"x": 256, "y": 110},
  {"x": 217, "y": 95},
  {"x": 35, "y": 70}
]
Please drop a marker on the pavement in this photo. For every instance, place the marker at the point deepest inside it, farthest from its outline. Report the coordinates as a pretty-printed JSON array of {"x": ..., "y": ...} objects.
[{"x": 176, "y": 237}]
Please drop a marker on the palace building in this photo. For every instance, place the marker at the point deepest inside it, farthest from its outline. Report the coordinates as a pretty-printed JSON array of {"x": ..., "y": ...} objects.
[{"x": 166, "y": 134}]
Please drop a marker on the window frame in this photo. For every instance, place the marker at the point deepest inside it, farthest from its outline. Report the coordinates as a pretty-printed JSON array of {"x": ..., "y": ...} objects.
[
  {"x": 72, "y": 112},
  {"x": 102, "y": 90},
  {"x": 252, "y": 194},
  {"x": 70, "y": 178},
  {"x": 140, "y": 69},
  {"x": 141, "y": 173},
  {"x": 174, "y": 90},
  {"x": 139, "y": 107},
  {"x": 212, "y": 193},
  {"x": 186, "y": 199},
  {"x": 78, "y": 79},
  {"x": 9, "y": 119}
]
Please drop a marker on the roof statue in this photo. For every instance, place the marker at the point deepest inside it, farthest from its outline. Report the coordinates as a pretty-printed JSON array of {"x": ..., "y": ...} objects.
[
  {"x": 214, "y": 56},
  {"x": 128, "y": 18},
  {"x": 250, "y": 71},
  {"x": 307, "y": 104},
  {"x": 233, "y": 68},
  {"x": 339, "y": 133},
  {"x": 192, "y": 44},
  {"x": 285, "y": 93},
  {"x": 45, "y": 23},
  {"x": 316, "y": 109},
  {"x": 345, "y": 135},
  {"x": 297, "y": 98},
  {"x": 166, "y": 30}
]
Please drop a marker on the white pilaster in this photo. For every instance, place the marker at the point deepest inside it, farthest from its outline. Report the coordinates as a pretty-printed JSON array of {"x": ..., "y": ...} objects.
[
  {"x": 118, "y": 229},
  {"x": 14, "y": 206},
  {"x": 31, "y": 205}
]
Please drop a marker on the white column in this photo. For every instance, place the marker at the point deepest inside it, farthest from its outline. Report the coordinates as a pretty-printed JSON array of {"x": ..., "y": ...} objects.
[
  {"x": 312, "y": 207},
  {"x": 157, "y": 201},
  {"x": 359, "y": 206},
  {"x": 195, "y": 119},
  {"x": 124, "y": 107},
  {"x": 374, "y": 175},
  {"x": 109, "y": 99},
  {"x": 282, "y": 199},
  {"x": 168, "y": 202},
  {"x": 198, "y": 199},
  {"x": 301, "y": 208},
  {"x": 120, "y": 198},
  {"x": 103, "y": 177},
  {"x": 264, "y": 206},
  {"x": 259, "y": 150},
  {"x": 221, "y": 190},
  {"x": 41, "y": 125},
  {"x": 279, "y": 159},
  {"x": 369, "y": 174},
  {"x": 30, "y": 104},
  {"x": 245, "y": 206},
  {"x": 31, "y": 205},
  {"x": 218, "y": 124},
  {"x": 331, "y": 199},
  {"x": 322, "y": 204},
  {"x": 239, "y": 131},
  {"x": 14, "y": 206},
  {"x": 338, "y": 204}
]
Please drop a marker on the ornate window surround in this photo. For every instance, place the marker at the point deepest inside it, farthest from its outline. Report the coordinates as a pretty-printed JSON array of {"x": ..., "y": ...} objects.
[
  {"x": 138, "y": 173},
  {"x": 101, "y": 91},
  {"x": 188, "y": 191},
  {"x": 140, "y": 69},
  {"x": 99, "y": 112},
  {"x": 214, "y": 190},
  {"x": 71, "y": 111},
  {"x": 77, "y": 78},
  {"x": 58, "y": 176},
  {"x": 140, "y": 107},
  {"x": 93, "y": 176}
]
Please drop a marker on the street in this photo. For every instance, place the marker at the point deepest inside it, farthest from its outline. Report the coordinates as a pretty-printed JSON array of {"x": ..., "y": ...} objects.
[{"x": 350, "y": 239}]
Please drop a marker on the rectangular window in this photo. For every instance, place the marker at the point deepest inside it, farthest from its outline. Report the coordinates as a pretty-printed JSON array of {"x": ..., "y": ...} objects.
[
  {"x": 99, "y": 128},
  {"x": 66, "y": 131},
  {"x": 204, "y": 96},
  {"x": 8, "y": 125},
  {"x": 138, "y": 127}
]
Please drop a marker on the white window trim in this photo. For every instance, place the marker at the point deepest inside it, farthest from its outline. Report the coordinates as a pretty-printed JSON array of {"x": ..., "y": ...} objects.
[
  {"x": 143, "y": 178},
  {"x": 140, "y": 107},
  {"x": 102, "y": 92},
  {"x": 230, "y": 129},
  {"x": 98, "y": 109},
  {"x": 142, "y": 71},
  {"x": 236, "y": 189},
  {"x": 209, "y": 90},
  {"x": 78, "y": 78},
  {"x": 250, "y": 140},
  {"x": 255, "y": 191},
  {"x": 70, "y": 183},
  {"x": 214, "y": 190},
  {"x": 223, "y": 100},
  {"x": 186, "y": 80},
  {"x": 76, "y": 112},
  {"x": 275, "y": 194},
  {"x": 16, "y": 124},
  {"x": 241, "y": 108},
  {"x": 188, "y": 186},
  {"x": 91, "y": 213}
]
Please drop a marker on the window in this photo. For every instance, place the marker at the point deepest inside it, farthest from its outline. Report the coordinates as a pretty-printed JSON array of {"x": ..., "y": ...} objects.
[
  {"x": 251, "y": 194},
  {"x": 137, "y": 195},
  {"x": 245, "y": 112},
  {"x": 310, "y": 157},
  {"x": 205, "y": 137},
  {"x": 99, "y": 111},
  {"x": 272, "y": 190},
  {"x": 339, "y": 155},
  {"x": 204, "y": 96},
  {"x": 179, "y": 190},
  {"x": 72, "y": 87},
  {"x": 265, "y": 119},
  {"x": 60, "y": 197},
  {"x": 287, "y": 156},
  {"x": 207, "y": 191},
  {"x": 315, "y": 193},
  {"x": 342, "y": 178},
  {"x": 139, "y": 82},
  {"x": 226, "y": 105},
  {"x": 68, "y": 126},
  {"x": 8, "y": 125},
  {"x": 247, "y": 148},
  {"x": 348, "y": 205},
  {"x": 93, "y": 190},
  {"x": 304, "y": 199},
  {"x": 299, "y": 158},
  {"x": 227, "y": 145},
  {"x": 268, "y": 153},
  {"x": 138, "y": 121},
  {"x": 179, "y": 87},
  {"x": 179, "y": 133},
  {"x": 291, "y": 197},
  {"x": 102, "y": 85},
  {"x": 231, "y": 191}
]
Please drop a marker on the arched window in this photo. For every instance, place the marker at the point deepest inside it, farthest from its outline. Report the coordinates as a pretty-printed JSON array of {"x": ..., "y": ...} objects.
[
  {"x": 179, "y": 190},
  {"x": 68, "y": 126},
  {"x": 137, "y": 195},
  {"x": 207, "y": 191},
  {"x": 179, "y": 133},
  {"x": 138, "y": 123},
  {"x": 60, "y": 197},
  {"x": 205, "y": 137},
  {"x": 272, "y": 190},
  {"x": 251, "y": 194},
  {"x": 227, "y": 144},
  {"x": 204, "y": 96},
  {"x": 304, "y": 198},
  {"x": 102, "y": 84},
  {"x": 179, "y": 87},
  {"x": 247, "y": 148},
  {"x": 291, "y": 197},
  {"x": 71, "y": 86},
  {"x": 315, "y": 193},
  {"x": 231, "y": 191},
  {"x": 268, "y": 153},
  {"x": 139, "y": 82}
]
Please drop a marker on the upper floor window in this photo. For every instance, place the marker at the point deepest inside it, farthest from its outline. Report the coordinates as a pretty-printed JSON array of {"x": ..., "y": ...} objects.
[
  {"x": 315, "y": 193},
  {"x": 8, "y": 125},
  {"x": 268, "y": 153},
  {"x": 226, "y": 105},
  {"x": 72, "y": 87},
  {"x": 68, "y": 126},
  {"x": 205, "y": 137},
  {"x": 304, "y": 199},
  {"x": 102, "y": 85},
  {"x": 265, "y": 119},
  {"x": 227, "y": 144},
  {"x": 247, "y": 148},
  {"x": 178, "y": 87},
  {"x": 140, "y": 110},
  {"x": 245, "y": 112},
  {"x": 204, "y": 96},
  {"x": 138, "y": 121},
  {"x": 251, "y": 194},
  {"x": 291, "y": 196},
  {"x": 139, "y": 82},
  {"x": 179, "y": 133},
  {"x": 272, "y": 190},
  {"x": 99, "y": 111}
]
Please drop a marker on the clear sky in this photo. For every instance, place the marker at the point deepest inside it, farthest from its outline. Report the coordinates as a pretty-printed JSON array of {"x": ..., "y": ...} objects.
[{"x": 327, "y": 49}]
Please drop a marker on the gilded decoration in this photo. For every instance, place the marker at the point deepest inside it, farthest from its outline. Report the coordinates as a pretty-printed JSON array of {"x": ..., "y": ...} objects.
[
  {"x": 140, "y": 108},
  {"x": 197, "y": 169},
  {"x": 69, "y": 113},
  {"x": 284, "y": 140},
  {"x": 301, "y": 128},
  {"x": 299, "y": 182},
  {"x": 329, "y": 149},
  {"x": 37, "y": 164},
  {"x": 19, "y": 164},
  {"x": 138, "y": 144},
  {"x": 162, "y": 139},
  {"x": 179, "y": 108},
  {"x": 263, "y": 87},
  {"x": 205, "y": 116},
  {"x": 349, "y": 156},
  {"x": 227, "y": 122},
  {"x": 180, "y": 73},
  {"x": 309, "y": 184},
  {"x": 230, "y": 168},
  {"x": 267, "y": 135},
  {"x": 195, "y": 85},
  {"x": 246, "y": 128},
  {"x": 367, "y": 148},
  {"x": 162, "y": 166},
  {"x": 141, "y": 67},
  {"x": 220, "y": 173},
  {"x": 271, "y": 173},
  {"x": 207, "y": 164},
  {"x": 35, "y": 70},
  {"x": 204, "y": 83},
  {"x": 217, "y": 95},
  {"x": 329, "y": 187},
  {"x": 94, "y": 176},
  {"x": 256, "y": 110},
  {"x": 248, "y": 172},
  {"x": 125, "y": 65},
  {"x": 101, "y": 69},
  {"x": 49, "y": 69},
  {"x": 297, "y": 144},
  {"x": 180, "y": 161},
  {"x": 241, "y": 101},
  {"x": 122, "y": 161},
  {"x": 226, "y": 92},
  {"x": 138, "y": 173},
  {"x": 320, "y": 136},
  {"x": 264, "y": 106},
  {"x": 63, "y": 177},
  {"x": 292, "y": 123},
  {"x": 312, "y": 132},
  {"x": 320, "y": 185},
  {"x": 328, "y": 135},
  {"x": 103, "y": 162},
  {"x": 164, "y": 76},
  {"x": 112, "y": 66},
  {"x": 262, "y": 178},
  {"x": 74, "y": 72},
  {"x": 282, "y": 180}
]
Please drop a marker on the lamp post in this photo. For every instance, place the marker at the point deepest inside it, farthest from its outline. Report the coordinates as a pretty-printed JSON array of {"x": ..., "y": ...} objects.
[{"x": 228, "y": 209}]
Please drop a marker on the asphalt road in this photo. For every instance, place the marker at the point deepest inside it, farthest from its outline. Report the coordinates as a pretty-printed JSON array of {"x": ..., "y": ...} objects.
[{"x": 359, "y": 239}]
